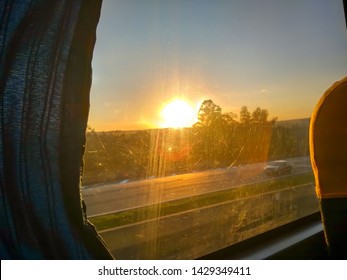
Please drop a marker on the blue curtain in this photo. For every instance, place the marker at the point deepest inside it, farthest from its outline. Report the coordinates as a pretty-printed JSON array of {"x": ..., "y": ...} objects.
[{"x": 45, "y": 77}]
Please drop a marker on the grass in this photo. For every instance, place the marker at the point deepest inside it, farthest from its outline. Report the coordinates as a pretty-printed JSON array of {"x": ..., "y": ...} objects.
[{"x": 171, "y": 207}]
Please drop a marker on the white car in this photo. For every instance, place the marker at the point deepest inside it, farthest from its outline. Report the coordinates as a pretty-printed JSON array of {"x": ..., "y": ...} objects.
[{"x": 278, "y": 167}]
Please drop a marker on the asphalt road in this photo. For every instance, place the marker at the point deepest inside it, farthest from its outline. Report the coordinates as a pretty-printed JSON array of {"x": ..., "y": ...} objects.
[{"x": 121, "y": 196}]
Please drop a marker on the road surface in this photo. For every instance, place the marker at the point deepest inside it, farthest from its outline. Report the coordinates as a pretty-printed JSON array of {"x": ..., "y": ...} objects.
[{"x": 121, "y": 196}]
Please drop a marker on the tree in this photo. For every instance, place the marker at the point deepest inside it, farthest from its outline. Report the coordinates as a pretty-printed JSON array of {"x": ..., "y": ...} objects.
[
  {"x": 245, "y": 115},
  {"x": 214, "y": 135},
  {"x": 260, "y": 115},
  {"x": 229, "y": 118},
  {"x": 209, "y": 113}
]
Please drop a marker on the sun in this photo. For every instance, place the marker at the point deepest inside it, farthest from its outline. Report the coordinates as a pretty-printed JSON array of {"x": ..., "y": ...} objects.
[{"x": 177, "y": 114}]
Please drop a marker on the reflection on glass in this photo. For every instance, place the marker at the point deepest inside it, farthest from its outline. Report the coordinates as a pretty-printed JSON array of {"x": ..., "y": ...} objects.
[{"x": 191, "y": 101}]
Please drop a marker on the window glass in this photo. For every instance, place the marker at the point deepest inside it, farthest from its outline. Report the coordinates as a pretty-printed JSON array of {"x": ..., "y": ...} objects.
[{"x": 198, "y": 127}]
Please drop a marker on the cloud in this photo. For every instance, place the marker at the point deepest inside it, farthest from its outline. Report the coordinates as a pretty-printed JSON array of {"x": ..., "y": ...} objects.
[{"x": 264, "y": 90}]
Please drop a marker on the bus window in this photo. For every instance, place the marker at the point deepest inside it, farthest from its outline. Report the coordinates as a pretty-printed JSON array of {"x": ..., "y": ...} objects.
[{"x": 198, "y": 128}]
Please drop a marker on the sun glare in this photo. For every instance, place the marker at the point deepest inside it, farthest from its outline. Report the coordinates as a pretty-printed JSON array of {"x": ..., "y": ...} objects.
[{"x": 178, "y": 113}]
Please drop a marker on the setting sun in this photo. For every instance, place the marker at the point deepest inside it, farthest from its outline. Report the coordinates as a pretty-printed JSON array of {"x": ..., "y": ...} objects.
[{"x": 178, "y": 113}]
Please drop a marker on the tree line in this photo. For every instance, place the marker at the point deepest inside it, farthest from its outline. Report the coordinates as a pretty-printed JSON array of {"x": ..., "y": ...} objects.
[{"x": 217, "y": 140}]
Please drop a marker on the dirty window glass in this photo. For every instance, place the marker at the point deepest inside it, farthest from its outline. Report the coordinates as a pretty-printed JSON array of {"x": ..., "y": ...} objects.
[{"x": 198, "y": 129}]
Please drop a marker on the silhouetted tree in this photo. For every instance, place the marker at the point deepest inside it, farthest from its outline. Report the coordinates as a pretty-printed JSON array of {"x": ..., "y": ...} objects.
[
  {"x": 245, "y": 115},
  {"x": 209, "y": 113},
  {"x": 260, "y": 116}
]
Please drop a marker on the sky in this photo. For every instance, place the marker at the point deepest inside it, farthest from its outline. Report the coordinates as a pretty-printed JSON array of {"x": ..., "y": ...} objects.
[{"x": 277, "y": 55}]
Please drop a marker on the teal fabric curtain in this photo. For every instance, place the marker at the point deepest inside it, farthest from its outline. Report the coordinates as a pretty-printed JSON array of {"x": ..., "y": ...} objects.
[{"x": 45, "y": 77}]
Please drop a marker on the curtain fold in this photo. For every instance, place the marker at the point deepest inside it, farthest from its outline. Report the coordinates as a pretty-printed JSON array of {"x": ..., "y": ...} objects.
[{"x": 45, "y": 77}]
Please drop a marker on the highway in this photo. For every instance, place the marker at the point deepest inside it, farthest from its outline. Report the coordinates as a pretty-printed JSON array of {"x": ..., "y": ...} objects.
[{"x": 109, "y": 198}]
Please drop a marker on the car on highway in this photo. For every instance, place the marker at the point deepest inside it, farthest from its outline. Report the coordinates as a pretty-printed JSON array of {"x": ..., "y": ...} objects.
[{"x": 278, "y": 167}]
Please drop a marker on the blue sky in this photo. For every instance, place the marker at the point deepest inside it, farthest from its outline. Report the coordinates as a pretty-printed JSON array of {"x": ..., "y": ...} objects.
[{"x": 278, "y": 55}]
